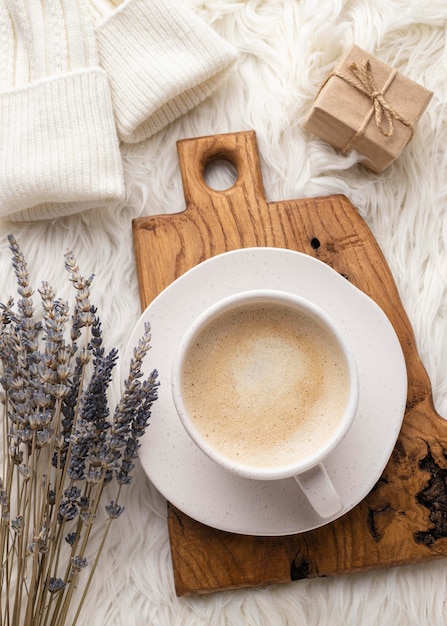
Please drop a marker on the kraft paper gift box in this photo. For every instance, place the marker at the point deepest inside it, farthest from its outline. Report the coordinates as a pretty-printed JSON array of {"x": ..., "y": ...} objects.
[{"x": 368, "y": 106}]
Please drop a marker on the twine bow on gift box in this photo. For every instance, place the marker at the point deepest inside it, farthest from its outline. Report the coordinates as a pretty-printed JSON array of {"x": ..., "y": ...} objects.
[{"x": 363, "y": 80}]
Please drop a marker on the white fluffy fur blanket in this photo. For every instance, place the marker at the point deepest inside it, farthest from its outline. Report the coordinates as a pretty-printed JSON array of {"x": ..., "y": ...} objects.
[{"x": 287, "y": 48}]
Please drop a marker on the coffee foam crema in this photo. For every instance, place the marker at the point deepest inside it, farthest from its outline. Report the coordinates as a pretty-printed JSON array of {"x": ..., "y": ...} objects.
[{"x": 265, "y": 385}]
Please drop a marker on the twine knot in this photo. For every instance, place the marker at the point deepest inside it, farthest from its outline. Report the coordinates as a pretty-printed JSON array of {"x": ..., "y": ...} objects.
[{"x": 363, "y": 81}]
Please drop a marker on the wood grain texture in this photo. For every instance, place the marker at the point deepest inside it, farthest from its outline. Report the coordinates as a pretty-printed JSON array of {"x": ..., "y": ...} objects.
[{"x": 404, "y": 518}]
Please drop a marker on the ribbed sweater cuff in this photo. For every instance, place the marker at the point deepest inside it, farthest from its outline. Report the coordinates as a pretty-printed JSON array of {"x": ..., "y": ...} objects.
[
  {"x": 161, "y": 60},
  {"x": 59, "y": 152}
]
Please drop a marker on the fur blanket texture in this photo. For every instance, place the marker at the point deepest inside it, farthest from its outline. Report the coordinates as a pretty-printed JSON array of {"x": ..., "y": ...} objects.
[{"x": 287, "y": 48}]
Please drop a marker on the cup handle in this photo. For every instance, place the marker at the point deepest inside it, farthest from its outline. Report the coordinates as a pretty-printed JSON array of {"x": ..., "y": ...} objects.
[{"x": 319, "y": 490}]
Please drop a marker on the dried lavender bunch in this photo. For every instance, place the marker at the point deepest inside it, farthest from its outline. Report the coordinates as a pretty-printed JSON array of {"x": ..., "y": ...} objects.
[{"x": 61, "y": 444}]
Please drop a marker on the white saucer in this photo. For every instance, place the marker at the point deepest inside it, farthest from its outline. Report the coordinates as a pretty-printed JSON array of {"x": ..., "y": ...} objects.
[{"x": 199, "y": 487}]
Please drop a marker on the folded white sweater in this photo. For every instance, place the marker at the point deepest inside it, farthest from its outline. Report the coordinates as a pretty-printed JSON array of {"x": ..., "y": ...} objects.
[
  {"x": 58, "y": 147},
  {"x": 161, "y": 60},
  {"x": 68, "y": 90}
]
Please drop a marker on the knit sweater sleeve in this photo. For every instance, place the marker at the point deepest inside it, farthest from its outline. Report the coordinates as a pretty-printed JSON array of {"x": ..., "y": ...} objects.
[
  {"x": 162, "y": 60},
  {"x": 59, "y": 152}
]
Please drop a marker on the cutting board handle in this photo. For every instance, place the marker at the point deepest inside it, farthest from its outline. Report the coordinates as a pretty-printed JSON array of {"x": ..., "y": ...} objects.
[{"x": 240, "y": 149}]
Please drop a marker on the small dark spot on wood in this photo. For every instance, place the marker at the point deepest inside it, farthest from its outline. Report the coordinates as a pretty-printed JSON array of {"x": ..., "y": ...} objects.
[
  {"x": 178, "y": 517},
  {"x": 434, "y": 498},
  {"x": 147, "y": 224},
  {"x": 315, "y": 243},
  {"x": 399, "y": 452},
  {"x": 372, "y": 521},
  {"x": 382, "y": 481},
  {"x": 300, "y": 570}
]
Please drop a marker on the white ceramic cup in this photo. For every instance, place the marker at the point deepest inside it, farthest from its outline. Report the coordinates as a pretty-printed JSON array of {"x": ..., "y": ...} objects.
[{"x": 245, "y": 348}]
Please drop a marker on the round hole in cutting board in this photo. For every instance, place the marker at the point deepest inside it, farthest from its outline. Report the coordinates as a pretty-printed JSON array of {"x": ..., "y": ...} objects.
[{"x": 220, "y": 174}]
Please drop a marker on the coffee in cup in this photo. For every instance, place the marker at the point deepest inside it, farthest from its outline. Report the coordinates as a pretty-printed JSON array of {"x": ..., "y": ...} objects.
[{"x": 265, "y": 385}]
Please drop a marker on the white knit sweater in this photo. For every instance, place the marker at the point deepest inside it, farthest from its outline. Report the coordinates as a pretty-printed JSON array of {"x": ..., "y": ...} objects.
[{"x": 77, "y": 76}]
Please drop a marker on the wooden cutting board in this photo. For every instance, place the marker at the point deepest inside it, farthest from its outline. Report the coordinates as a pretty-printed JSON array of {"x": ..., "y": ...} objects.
[{"x": 404, "y": 518}]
